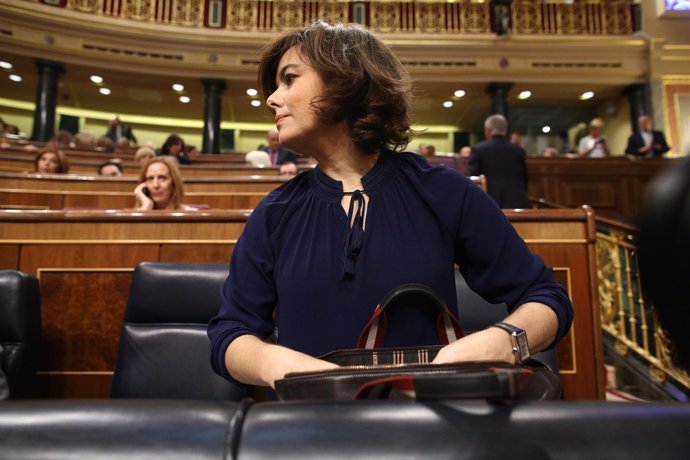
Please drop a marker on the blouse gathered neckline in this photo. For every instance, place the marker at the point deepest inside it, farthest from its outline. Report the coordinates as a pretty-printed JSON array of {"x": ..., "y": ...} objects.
[{"x": 331, "y": 189}]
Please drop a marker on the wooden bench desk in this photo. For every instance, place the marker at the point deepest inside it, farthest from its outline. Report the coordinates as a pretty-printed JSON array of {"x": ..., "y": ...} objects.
[
  {"x": 23, "y": 162},
  {"x": 77, "y": 182},
  {"x": 58, "y": 199}
]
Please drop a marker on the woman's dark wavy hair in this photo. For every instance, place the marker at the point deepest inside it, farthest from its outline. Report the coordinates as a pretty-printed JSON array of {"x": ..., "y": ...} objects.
[
  {"x": 365, "y": 83},
  {"x": 172, "y": 139}
]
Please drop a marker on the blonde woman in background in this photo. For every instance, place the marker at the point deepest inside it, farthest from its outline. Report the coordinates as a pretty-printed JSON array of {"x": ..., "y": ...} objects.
[
  {"x": 160, "y": 186},
  {"x": 143, "y": 155}
]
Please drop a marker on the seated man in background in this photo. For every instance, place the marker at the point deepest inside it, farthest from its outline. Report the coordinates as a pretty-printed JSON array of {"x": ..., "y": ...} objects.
[
  {"x": 117, "y": 131},
  {"x": 464, "y": 160},
  {"x": 646, "y": 142},
  {"x": 288, "y": 170},
  {"x": 516, "y": 138},
  {"x": 110, "y": 168},
  {"x": 276, "y": 152}
]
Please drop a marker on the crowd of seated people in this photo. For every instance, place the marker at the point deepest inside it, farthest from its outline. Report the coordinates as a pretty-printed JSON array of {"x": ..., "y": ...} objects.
[{"x": 52, "y": 157}]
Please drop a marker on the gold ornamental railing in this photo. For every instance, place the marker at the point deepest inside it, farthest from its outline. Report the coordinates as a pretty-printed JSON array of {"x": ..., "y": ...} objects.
[
  {"x": 522, "y": 17},
  {"x": 626, "y": 315}
]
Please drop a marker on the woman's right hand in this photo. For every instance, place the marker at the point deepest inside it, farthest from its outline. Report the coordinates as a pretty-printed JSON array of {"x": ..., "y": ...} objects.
[
  {"x": 143, "y": 201},
  {"x": 255, "y": 362},
  {"x": 293, "y": 361}
]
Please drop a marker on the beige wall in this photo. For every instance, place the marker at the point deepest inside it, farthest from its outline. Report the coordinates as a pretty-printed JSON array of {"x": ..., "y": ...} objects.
[
  {"x": 616, "y": 114},
  {"x": 670, "y": 28}
]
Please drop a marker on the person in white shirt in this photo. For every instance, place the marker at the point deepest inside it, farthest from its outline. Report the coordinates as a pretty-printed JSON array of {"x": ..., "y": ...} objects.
[{"x": 594, "y": 145}]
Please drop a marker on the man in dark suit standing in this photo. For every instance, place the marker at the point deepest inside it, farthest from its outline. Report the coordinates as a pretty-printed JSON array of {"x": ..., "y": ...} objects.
[
  {"x": 276, "y": 152},
  {"x": 503, "y": 163},
  {"x": 646, "y": 142},
  {"x": 117, "y": 131}
]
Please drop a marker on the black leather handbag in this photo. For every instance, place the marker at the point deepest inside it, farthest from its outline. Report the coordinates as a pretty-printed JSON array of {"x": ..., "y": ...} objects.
[{"x": 372, "y": 372}]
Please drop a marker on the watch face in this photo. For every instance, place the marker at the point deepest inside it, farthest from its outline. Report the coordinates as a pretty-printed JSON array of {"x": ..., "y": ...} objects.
[{"x": 522, "y": 346}]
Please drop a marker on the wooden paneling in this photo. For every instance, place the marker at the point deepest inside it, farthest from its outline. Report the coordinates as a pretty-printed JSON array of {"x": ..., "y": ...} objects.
[
  {"x": 70, "y": 325},
  {"x": 80, "y": 164},
  {"x": 59, "y": 199},
  {"x": 197, "y": 253},
  {"x": 566, "y": 240},
  {"x": 84, "y": 261},
  {"x": 612, "y": 186},
  {"x": 77, "y": 182},
  {"x": 9, "y": 256}
]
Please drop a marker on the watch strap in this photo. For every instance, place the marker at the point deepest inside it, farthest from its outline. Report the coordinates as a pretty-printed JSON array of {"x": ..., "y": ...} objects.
[{"x": 519, "y": 338}]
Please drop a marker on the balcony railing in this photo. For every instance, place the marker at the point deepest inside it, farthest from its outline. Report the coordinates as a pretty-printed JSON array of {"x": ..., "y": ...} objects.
[
  {"x": 523, "y": 17},
  {"x": 626, "y": 315},
  {"x": 628, "y": 318}
]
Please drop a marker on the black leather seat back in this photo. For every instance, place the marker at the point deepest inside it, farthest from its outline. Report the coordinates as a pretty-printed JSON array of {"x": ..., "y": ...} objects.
[
  {"x": 475, "y": 314},
  {"x": 122, "y": 429},
  {"x": 20, "y": 330},
  {"x": 472, "y": 430},
  {"x": 164, "y": 350}
]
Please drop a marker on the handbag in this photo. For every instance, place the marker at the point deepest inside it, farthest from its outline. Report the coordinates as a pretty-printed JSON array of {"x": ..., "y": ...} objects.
[{"x": 373, "y": 372}]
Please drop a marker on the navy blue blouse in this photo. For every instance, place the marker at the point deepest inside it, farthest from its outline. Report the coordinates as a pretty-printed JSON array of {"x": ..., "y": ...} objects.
[{"x": 292, "y": 258}]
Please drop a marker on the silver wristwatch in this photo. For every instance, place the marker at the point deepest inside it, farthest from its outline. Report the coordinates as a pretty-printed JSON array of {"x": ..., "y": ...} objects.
[{"x": 519, "y": 337}]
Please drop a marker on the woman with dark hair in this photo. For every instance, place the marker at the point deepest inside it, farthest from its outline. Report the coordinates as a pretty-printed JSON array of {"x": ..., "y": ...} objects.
[
  {"x": 174, "y": 147},
  {"x": 319, "y": 252},
  {"x": 51, "y": 161}
]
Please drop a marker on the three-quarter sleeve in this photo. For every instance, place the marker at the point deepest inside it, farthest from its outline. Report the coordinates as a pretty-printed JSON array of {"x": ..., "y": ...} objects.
[
  {"x": 248, "y": 294},
  {"x": 498, "y": 265}
]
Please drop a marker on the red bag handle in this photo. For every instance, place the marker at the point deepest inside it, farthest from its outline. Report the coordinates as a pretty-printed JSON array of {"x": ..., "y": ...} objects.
[{"x": 447, "y": 325}]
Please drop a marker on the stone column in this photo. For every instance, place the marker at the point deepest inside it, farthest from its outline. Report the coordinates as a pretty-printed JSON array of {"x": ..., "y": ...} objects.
[
  {"x": 638, "y": 103},
  {"x": 214, "y": 88},
  {"x": 499, "y": 97},
  {"x": 46, "y": 98}
]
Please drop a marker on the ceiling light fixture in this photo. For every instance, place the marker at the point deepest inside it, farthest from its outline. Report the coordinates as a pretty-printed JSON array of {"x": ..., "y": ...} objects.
[
  {"x": 459, "y": 93},
  {"x": 448, "y": 104},
  {"x": 104, "y": 91},
  {"x": 97, "y": 79},
  {"x": 6, "y": 65},
  {"x": 525, "y": 94},
  {"x": 178, "y": 87},
  {"x": 546, "y": 129},
  {"x": 15, "y": 77},
  {"x": 185, "y": 99},
  {"x": 255, "y": 103},
  {"x": 586, "y": 95},
  {"x": 252, "y": 92}
]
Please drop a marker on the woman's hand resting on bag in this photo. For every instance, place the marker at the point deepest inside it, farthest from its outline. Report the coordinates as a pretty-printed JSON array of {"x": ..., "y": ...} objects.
[
  {"x": 490, "y": 344},
  {"x": 256, "y": 362},
  {"x": 494, "y": 344}
]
